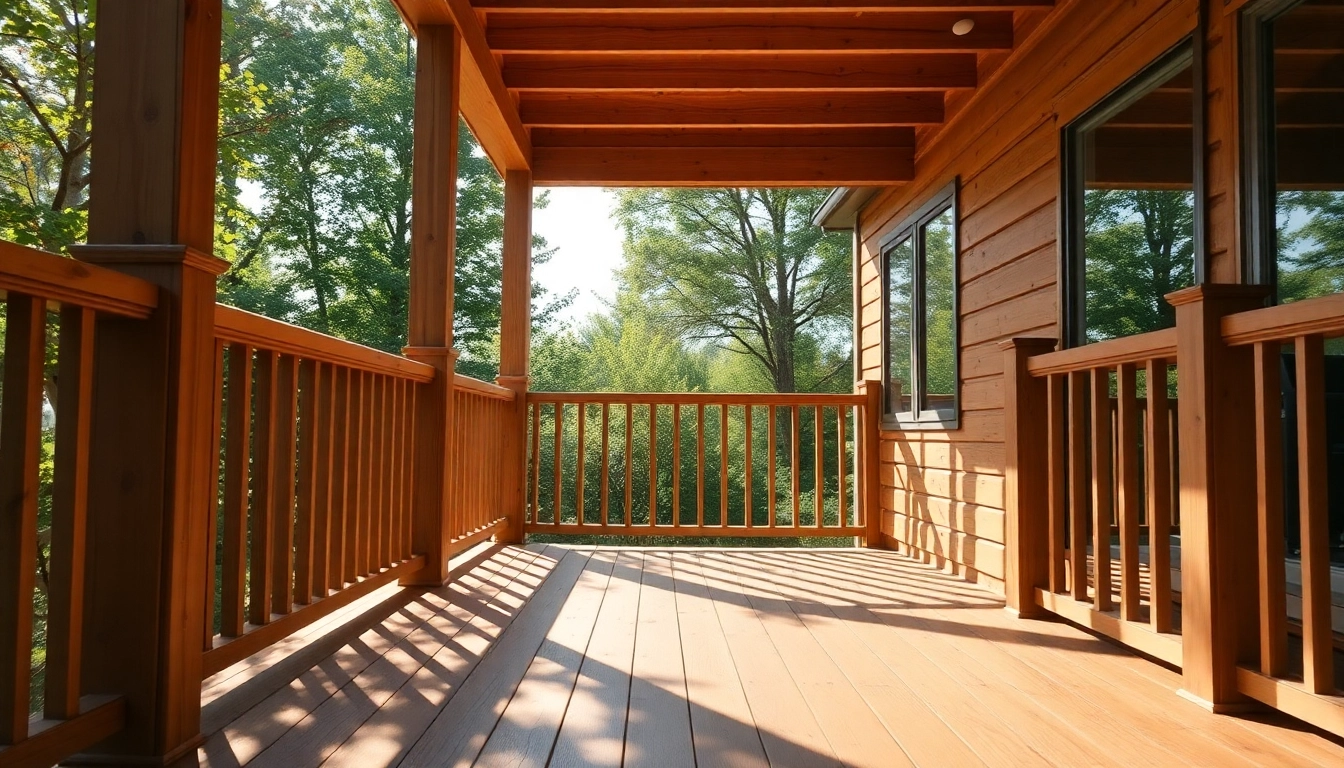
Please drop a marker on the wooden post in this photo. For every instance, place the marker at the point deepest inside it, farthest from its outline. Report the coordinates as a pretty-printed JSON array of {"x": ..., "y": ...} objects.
[
  {"x": 869, "y": 457},
  {"x": 430, "y": 340},
  {"x": 151, "y": 214},
  {"x": 515, "y": 339},
  {"x": 1027, "y": 476},
  {"x": 1215, "y": 384}
]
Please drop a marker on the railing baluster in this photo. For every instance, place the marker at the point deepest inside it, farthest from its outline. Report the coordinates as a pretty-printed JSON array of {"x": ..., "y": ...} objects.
[
  {"x": 354, "y": 477},
  {"x": 237, "y": 462},
  {"x": 534, "y": 515},
  {"x": 1269, "y": 508},
  {"x": 676, "y": 465},
  {"x": 629, "y": 461},
  {"x": 581, "y": 455},
  {"x": 796, "y": 462},
  {"x": 1058, "y": 469},
  {"x": 1127, "y": 484},
  {"x": 21, "y": 445},
  {"x": 773, "y": 449},
  {"x": 305, "y": 523},
  {"x": 69, "y": 512},
  {"x": 700, "y": 465},
  {"x": 340, "y": 481},
  {"x": 408, "y": 471},
  {"x": 723, "y": 465},
  {"x": 398, "y": 454},
  {"x": 559, "y": 446},
  {"x": 606, "y": 464},
  {"x": 1313, "y": 511},
  {"x": 282, "y": 482},
  {"x": 747, "y": 506},
  {"x": 1101, "y": 488},
  {"x": 820, "y": 462},
  {"x": 1078, "y": 489},
  {"x": 1159, "y": 498},
  {"x": 653, "y": 464},
  {"x": 215, "y": 462},
  {"x": 260, "y": 561},
  {"x": 325, "y": 416},
  {"x": 841, "y": 517}
]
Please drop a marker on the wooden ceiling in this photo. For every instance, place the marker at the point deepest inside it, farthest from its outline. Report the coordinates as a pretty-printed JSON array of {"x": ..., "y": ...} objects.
[{"x": 719, "y": 92}]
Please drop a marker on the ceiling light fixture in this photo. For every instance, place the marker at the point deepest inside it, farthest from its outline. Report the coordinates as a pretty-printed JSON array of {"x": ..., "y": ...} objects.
[{"x": 963, "y": 27}]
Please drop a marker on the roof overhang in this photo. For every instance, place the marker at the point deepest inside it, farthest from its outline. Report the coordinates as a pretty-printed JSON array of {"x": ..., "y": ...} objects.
[{"x": 840, "y": 211}]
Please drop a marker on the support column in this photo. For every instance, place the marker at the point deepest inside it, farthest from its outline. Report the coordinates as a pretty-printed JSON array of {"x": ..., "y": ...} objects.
[
  {"x": 515, "y": 344},
  {"x": 430, "y": 338},
  {"x": 870, "y": 454},
  {"x": 151, "y": 214},
  {"x": 1027, "y": 476},
  {"x": 1215, "y": 385}
]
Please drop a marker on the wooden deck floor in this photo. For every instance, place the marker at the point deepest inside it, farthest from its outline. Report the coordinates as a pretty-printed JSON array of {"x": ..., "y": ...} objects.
[{"x": 574, "y": 657}]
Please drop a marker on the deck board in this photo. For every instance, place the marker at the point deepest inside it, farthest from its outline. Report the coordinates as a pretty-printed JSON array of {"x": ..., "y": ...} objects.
[{"x": 582, "y": 656}]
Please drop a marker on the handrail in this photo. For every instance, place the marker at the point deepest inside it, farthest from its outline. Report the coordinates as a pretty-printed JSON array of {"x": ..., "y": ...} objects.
[
  {"x": 695, "y": 398},
  {"x": 1107, "y": 354},
  {"x": 240, "y": 326},
  {"x": 57, "y": 278},
  {"x": 482, "y": 387},
  {"x": 701, "y": 464},
  {"x": 1320, "y": 316}
]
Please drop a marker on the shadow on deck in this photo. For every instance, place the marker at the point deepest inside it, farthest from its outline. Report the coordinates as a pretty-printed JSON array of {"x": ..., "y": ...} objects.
[{"x": 582, "y": 657}]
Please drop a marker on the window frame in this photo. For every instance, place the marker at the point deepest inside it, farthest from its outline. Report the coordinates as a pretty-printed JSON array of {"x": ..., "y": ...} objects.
[
  {"x": 1259, "y": 144},
  {"x": 1073, "y": 184},
  {"x": 920, "y": 417}
]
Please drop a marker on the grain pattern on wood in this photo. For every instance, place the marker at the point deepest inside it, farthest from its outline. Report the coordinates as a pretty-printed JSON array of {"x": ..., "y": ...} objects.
[
  {"x": 1159, "y": 480},
  {"x": 237, "y": 458},
  {"x": 658, "y": 730},
  {"x": 1127, "y": 488},
  {"x": 69, "y": 515},
  {"x": 1317, "y": 645},
  {"x": 1273, "y": 612},
  {"x": 1078, "y": 485},
  {"x": 20, "y": 442}
]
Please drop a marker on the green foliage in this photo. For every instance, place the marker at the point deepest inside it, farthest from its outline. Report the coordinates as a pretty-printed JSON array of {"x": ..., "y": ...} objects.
[
  {"x": 46, "y": 73},
  {"x": 1311, "y": 255},
  {"x": 318, "y": 140},
  {"x": 743, "y": 269},
  {"x": 1139, "y": 247}
]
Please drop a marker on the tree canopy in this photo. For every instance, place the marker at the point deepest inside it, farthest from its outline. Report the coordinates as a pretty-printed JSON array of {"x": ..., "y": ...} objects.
[{"x": 746, "y": 270}]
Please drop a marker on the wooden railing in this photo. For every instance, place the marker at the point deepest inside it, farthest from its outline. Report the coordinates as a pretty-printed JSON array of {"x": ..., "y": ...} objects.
[
  {"x": 476, "y": 507},
  {"x": 1106, "y": 451},
  {"x": 33, "y": 285},
  {"x": 700, "y": 464},
  {"x": 314, "y": 457},
  {"x": 1302, "y": 687}
]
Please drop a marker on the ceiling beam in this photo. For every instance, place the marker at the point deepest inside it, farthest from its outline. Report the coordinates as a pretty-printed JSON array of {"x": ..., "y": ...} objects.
[
  {"x": 751, "y": 109},
  {"x": 765, "y": 6},
  {"x": 784, "y": 137},
  {"x": 486, "y": 103},
  {"x": 778, "y": 71},
  {"x": 746, "y": 32},
  {"x": 723, "y": 166}
]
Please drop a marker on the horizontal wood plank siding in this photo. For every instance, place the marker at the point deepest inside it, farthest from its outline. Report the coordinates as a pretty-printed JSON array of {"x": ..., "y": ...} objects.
[{"x": 943, "y": 492}]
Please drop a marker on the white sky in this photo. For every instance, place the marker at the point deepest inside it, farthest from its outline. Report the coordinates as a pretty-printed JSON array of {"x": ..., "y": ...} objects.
[{"x": 578, "y": 224}]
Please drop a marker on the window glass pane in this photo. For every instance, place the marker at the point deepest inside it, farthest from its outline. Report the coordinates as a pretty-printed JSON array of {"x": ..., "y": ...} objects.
[
  {"x": 900, "y": 274},
  {"x": 1138, "y": 210},
  {"x": 1308, "y": 77},
  {"x": 940, "y": 322}
]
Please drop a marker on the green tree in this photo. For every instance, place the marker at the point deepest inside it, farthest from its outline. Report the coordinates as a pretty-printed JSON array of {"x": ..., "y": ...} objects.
[
  {"x": 742, "y": 268},
  {"x": 1139, "y": 247},
  {"x": 46, "y": 74},
  {"x": 1310, "y": 254}
]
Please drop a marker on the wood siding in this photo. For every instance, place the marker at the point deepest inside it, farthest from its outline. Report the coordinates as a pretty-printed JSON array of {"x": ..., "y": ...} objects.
[{"x": 942, "y": 493}]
